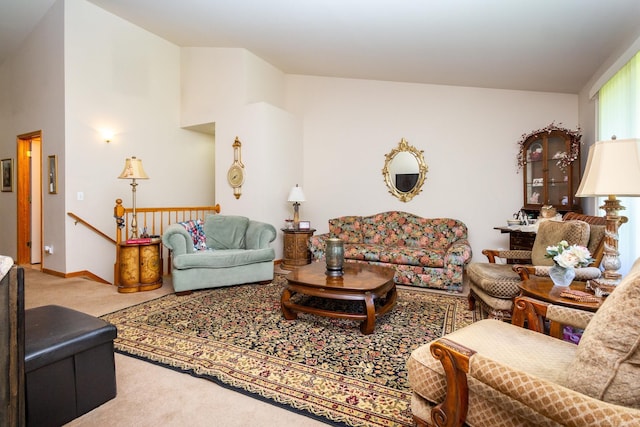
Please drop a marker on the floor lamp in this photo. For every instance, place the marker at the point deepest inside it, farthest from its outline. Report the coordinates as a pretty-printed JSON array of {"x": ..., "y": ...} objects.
[
  {"x": 133, "y": 170},
  {"x": 613, "y": 169}
]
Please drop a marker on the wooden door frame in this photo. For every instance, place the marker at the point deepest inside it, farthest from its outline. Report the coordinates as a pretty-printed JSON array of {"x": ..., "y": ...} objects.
[{"x": 23, "y": 183}]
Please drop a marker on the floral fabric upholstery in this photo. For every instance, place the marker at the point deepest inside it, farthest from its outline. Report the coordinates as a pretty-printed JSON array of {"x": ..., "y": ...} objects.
[
  {"x": 425, "y": 252},
  {"x": 347, "y": 228}
]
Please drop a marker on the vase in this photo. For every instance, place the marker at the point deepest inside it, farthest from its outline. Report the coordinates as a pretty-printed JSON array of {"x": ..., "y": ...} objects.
[
  {"x": 334, "y": 257},
  {"x": 561, "y": 276}
]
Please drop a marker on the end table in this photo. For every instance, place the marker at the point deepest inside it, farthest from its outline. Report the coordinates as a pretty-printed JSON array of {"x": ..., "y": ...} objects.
[
  {"x": 543, "y": 288},
  {"x": 140, "y": 266},
  {"x": 296, "y": 248}
]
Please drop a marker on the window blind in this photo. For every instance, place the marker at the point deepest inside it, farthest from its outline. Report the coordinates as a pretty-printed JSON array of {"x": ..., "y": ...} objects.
[{"x": 618, "y": 114}]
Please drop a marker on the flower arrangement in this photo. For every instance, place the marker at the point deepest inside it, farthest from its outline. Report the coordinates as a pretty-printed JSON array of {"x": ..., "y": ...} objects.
[
  {"x": 569, "y": 256},
  {"x": 564, "y": 159}
]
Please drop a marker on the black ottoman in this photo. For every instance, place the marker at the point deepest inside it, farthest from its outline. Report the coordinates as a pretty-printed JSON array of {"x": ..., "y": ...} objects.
[{"x": 69, "y": 364}]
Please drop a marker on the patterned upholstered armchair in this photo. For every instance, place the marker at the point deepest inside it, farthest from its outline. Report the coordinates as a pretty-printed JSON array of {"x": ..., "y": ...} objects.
[
  {"x": 494, "y": 285},
  {"x": 497, "y": 374}
]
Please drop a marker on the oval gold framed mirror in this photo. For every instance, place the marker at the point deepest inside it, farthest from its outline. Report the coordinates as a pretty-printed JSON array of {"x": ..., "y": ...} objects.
[{"x": 404, "y": 171}]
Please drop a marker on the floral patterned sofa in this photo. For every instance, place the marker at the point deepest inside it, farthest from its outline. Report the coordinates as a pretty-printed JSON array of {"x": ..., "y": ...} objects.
[{"x": 425, "y": 252}]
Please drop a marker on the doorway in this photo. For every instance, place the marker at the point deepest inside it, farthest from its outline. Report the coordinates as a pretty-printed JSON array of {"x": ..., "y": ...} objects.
[{"x": 29, "y": 194}]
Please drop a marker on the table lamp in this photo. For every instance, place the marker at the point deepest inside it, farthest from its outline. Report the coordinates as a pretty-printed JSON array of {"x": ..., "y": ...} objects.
[
  {"x": 133, "y": 170},
  {"x": 296, "y": 196},
  {"x": 613, "y": 169}
]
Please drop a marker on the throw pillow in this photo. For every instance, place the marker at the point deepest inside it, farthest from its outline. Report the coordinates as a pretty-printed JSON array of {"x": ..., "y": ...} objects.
[
  {"x": 606, "y": 365},
  {"x": 551, "y": 232},
  {"x": 226, "y": 231},
  {"x": 597, "y": 234},
  {"x": 194, "y": 228}
]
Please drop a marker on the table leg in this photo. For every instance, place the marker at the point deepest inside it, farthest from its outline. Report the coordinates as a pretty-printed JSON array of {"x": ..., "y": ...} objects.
[
  {"x": 367, "y": 326},
  {"x": 284, "y": 300}
]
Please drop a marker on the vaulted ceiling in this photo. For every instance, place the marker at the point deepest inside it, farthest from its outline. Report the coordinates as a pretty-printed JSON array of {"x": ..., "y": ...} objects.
[{"x": 540, "y": 45}]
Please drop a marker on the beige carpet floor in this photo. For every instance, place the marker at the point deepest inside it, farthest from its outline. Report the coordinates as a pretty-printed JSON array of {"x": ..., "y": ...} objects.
[{"x": 149, "y": 395}]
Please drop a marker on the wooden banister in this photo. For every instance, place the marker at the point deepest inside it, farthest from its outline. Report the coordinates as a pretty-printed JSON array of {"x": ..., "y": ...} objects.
[
  {"x": 153, "y": 222},
  {"x": 91, "y": 227}
]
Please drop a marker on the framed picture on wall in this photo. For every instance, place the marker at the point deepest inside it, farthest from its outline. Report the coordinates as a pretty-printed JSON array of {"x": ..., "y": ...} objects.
[
  {"x": 7, "y": 174},
  {"x": 53, "y": 174}
]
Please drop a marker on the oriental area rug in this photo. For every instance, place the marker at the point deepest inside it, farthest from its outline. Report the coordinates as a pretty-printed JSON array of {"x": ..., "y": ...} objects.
[{"x": 321, "y": 367}]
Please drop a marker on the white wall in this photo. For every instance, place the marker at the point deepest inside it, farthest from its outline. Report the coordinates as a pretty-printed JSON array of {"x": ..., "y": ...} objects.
[
  {"x": 32, "y": 87},
  {"x": 121, "y": 77},
  {"x": 271, "y": 153},
  {"x": 242, "y": 94},
  {"x": 469, "y": 137},
  {"x": 329, "y": 135}
]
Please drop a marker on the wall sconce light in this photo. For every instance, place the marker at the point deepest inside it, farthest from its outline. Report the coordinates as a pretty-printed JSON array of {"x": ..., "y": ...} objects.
[{"x": 107, "y": 135}]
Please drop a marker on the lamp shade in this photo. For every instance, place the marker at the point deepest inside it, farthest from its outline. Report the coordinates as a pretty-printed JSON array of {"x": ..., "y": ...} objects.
[
  {"x": 133, "y": 169},
  {"x": 296, "y": 194},
  {"x": 613, "y": 168}
]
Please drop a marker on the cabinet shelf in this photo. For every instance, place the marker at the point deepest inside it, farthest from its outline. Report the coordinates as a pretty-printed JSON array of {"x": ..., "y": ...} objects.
[{"x": 544, "y": 181}]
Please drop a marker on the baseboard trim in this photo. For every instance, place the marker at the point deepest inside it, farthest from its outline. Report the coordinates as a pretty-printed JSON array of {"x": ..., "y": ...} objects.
[{"x": 82, "y": 273}]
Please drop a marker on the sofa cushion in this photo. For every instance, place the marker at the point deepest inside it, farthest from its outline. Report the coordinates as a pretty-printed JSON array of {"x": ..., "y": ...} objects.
[
  {"x": 347, "y": 228},
  {"x": 402, "y": 255},
  {"x": 226, "y": 231},
  {"x": 607, "y": 363},
  {"x": 551, "y": 232},
  {"x": 492, "y": 340},
  {"x": 497, "y": 280},
  {"x": 396, "y": 228},
  {"x": 223, "y": 258}
]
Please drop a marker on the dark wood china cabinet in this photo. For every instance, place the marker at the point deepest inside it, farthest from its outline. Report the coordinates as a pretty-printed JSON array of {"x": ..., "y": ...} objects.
[{"x": 550, "y": 161}]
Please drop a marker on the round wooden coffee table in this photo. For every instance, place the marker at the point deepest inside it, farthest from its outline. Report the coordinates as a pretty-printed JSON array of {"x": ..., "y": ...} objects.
[
  {"x": 360, "y": 282},
  {"x": 543, "y": 289}
]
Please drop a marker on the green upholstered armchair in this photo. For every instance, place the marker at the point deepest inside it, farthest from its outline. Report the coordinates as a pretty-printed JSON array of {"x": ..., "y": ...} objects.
[
  {"x": 227, "y": 250},
  {"x": 493, "y": 373}
]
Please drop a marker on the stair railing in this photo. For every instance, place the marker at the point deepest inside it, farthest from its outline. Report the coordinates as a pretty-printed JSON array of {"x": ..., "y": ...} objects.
[{"x": 153, "y": 222}]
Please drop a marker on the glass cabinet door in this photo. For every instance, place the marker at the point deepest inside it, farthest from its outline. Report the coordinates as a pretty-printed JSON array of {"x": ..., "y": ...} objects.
[
  {"x": 558, "y": 192},
  {"x": 534, "y": 174},
  {"x": 549, "y": 179}
]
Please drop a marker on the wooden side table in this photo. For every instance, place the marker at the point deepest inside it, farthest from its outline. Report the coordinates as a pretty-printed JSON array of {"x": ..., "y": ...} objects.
[
  {"x": 518, "y": 240},
  {"x": 140, "y": 266},
  {"x": 543, "y": 289},
  {"x": 296, "y": 250}
]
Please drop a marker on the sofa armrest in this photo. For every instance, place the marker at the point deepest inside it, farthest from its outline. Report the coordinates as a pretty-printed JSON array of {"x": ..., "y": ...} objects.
[
  {"x": 460, "y": 362},
  {"x": 318, "y": 245},
  {"x": 520, "y": 255},
  {"x": 455, "y": 361},
  {"x": 259, "y": 235},
  {"x": 535, "y": 312},
  {"x": 178, "y": 240},
  {"x": 459, "y": 253},
  {"x": 582, "y": 274},
  {"x": 541, "y": 391}
]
